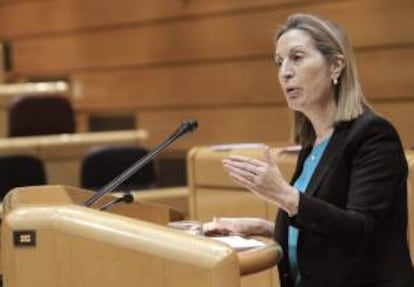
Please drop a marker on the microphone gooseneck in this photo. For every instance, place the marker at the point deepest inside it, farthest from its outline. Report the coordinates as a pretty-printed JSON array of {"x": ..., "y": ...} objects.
[{"x": 184, "y": 128}]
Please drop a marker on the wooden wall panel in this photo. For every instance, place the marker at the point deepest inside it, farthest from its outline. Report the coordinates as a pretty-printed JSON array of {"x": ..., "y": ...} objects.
[
  {"x": 194, "y": 40},
  {"x": 401, "y": 115},
  {"x": 169, "y": 60},
  {"x": 45, "y": 16},
  {"x": 206, "y": 38},
  {"x": 255, "y": 124},
  {"x": 243, "y": 82},
  {"x": 218, "y": 126},
  {"x": 385, "y": 74}
]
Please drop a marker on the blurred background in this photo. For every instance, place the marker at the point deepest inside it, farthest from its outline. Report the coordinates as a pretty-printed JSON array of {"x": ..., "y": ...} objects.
[{"x": 130, "y": 64}]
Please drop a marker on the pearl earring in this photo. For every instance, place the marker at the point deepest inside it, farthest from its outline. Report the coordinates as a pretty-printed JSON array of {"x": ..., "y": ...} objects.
[{"x": 335, "y": 81}]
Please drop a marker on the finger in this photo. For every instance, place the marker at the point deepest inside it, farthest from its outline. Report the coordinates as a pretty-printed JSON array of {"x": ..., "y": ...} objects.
[
  {"x": 247, "y": 172},
  {"x": 253, "y": 169},
  {"x": 241, "y": 180},
  {"x": 268, "y": 156},
  {"x": 241, "y": 158}
]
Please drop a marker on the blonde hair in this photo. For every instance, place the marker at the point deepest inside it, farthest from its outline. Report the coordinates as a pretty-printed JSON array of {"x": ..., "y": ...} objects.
[{"x": 331, "y": 41}]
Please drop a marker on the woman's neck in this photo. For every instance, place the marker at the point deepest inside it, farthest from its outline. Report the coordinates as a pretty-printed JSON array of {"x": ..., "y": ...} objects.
[
  {"x": 326, "y": 134},
  {"x": 323, "y": 121}
]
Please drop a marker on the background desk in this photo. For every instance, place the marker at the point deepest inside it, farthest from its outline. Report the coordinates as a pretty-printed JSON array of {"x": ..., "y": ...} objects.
[{"x": 62, "y": 154}]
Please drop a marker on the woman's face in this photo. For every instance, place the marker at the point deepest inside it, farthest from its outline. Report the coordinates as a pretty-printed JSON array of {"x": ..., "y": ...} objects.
[{"x": 304, "y": 75}]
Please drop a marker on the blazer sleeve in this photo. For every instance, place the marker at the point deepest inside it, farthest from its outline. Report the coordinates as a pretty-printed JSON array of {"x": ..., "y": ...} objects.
[{"x": 378, "y": 174}]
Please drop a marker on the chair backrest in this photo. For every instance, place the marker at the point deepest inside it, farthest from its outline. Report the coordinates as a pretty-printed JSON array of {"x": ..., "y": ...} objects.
[
  {"x": 102, "y": 164},
  {"x": 40, "y": 115},
  {"x": 20, "y": 170}
]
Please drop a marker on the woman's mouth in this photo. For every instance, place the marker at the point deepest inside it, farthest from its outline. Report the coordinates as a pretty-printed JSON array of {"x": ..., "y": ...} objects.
[{"x": 292, "y": 92}]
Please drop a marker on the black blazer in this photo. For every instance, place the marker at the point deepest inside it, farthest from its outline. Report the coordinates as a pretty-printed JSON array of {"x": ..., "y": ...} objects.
[{"x": 352, "y": 219}]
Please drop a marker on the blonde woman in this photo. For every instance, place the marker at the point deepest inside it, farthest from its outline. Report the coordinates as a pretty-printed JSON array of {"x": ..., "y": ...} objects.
[{"x": 343, "y": 216}]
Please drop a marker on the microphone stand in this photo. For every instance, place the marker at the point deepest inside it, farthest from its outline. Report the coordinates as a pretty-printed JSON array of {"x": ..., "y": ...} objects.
[
  {"x": 127, "y": 198},
  {"x": 184, "y": 128}
]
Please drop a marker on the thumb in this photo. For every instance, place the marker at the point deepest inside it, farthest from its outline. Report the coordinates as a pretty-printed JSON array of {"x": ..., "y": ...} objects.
[{"x": 268, "y": 156}]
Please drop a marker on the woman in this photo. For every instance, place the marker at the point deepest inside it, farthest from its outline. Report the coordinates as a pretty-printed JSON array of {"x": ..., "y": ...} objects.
[{"x": 343, "y": 220}]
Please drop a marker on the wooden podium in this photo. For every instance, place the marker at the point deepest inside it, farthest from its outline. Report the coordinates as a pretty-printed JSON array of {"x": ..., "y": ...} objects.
[{"x": 50, "y": 240}]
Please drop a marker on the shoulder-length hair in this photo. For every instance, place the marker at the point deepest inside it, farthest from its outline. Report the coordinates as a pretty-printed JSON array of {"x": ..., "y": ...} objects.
[{"x": 331, "y": 41}]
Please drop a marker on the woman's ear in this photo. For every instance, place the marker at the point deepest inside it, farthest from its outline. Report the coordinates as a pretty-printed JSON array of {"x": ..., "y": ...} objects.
[{"x": 337, "y": 67}]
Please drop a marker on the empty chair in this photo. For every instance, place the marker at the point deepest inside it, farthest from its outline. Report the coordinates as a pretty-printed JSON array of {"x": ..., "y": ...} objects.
[
  {"x": 40, "y": 115},
  {"x": 20, "y": 170},
  {"x": 102, "y": 164}
]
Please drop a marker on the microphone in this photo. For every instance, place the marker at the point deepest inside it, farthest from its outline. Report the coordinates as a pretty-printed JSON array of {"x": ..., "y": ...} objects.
[
  {"x": 184, "y": 128},
  {"x": 127, "y": 198}
]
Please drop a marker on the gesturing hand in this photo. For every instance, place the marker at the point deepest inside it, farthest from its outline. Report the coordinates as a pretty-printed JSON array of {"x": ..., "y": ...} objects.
[{"x": 264, "y": 179}]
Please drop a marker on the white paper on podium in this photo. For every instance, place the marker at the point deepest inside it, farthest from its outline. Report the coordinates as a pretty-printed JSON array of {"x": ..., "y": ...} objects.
[{"x": 239, "y": 243}]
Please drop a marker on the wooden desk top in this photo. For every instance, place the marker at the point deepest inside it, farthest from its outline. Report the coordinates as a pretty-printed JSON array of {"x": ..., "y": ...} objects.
[
  {"x": 38, "y": 144},
  {"x": 62, "y": 154},
  {"x": 67, "y": 139},
  {"x": 9, "y": 91}
]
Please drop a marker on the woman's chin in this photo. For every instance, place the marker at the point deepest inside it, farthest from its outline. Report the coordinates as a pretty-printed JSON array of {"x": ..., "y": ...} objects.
[{"x": 294, "y": 106}]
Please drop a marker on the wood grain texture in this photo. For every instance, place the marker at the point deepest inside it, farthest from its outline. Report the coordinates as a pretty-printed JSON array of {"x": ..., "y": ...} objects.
[
  {"x": 166, "y": 61},
  {"x": 239, "y": 82},
  {"x": 385, "y": 74},
  {"x": 227, "y": 36},
  {"x": 400, "y": 114},
  {"x": 64, "y": 16},
  {"x": 222, "y": 125}
]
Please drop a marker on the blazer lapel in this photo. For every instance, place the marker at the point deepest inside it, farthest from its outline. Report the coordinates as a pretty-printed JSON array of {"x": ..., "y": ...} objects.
[
  {"x": 334, "y": 148},
  {"x": 299, "y": 165}
]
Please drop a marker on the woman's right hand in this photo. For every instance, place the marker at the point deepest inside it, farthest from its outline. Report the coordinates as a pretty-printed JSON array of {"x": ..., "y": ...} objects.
[{"x": 242, "y": 226}]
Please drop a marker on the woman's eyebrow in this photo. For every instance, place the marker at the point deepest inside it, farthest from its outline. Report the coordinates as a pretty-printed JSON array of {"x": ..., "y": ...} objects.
[{"x": 292, "y": 49}]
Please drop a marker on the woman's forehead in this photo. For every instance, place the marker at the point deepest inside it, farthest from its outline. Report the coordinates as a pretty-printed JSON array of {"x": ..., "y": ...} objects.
[{"x": 292, "y": 39}]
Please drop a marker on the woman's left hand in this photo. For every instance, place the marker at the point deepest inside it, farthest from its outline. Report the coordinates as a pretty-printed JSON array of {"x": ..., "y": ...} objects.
[{"x": 264, "y": 179}]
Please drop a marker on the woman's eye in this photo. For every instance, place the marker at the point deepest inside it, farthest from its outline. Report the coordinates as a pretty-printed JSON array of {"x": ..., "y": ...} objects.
[
  {"x": 278, "y": 62},
  {"x": 297, "y": 58}
]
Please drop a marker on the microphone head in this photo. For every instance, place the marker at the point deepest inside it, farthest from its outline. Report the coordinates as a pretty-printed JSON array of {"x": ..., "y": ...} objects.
[
  {"x": 189, "y": 126},
  {"x": 128, "y": 198},
  {"x": 192, "y": 124}
]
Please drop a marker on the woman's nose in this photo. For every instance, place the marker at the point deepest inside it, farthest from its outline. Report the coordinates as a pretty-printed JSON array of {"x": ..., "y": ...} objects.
[{"x": 286, "y": 71}]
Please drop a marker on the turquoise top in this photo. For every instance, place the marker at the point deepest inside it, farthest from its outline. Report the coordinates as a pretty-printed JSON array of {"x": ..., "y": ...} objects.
[{"x": 301, "y": 184}]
